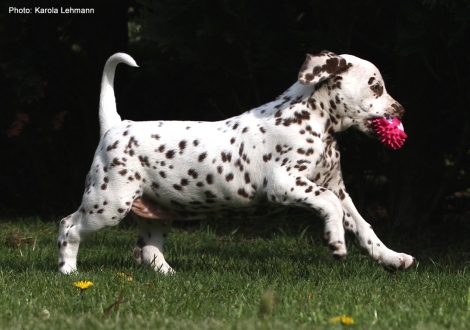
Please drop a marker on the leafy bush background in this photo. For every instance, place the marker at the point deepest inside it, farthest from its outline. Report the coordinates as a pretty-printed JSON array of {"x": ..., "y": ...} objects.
[{"x": 208, "y": 60}]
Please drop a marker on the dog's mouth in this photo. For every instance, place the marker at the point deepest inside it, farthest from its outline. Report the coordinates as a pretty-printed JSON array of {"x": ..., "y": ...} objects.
[
  {"x": 369, "y": 127},
  {"x": 369, "y": 124}
]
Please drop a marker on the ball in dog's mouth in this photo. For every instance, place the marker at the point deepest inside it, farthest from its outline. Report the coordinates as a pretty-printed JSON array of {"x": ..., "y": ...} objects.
[{"x": 390, "y": 131}]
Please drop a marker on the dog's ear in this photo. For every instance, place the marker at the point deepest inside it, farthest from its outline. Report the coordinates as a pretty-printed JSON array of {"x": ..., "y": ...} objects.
[{"x": 320, "y": 67}]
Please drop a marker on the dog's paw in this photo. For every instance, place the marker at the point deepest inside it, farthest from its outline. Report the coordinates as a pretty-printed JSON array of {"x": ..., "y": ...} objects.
[
  {"x": 164, "y": 269},
  {"x": 401, "y": 261},
  {"x": 67, "y": 269},
  {"x": 338, "y": 250}
]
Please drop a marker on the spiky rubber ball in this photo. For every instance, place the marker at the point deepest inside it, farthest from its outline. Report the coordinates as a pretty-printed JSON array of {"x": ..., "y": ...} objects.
[{"x": 390, "y": 132}]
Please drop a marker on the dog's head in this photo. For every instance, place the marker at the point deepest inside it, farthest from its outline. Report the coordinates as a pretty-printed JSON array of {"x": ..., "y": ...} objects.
[{"x": 356, "y": 90}]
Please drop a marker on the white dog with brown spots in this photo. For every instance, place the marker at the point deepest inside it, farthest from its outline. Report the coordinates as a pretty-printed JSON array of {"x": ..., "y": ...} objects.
[{"x": 281, "y": 154}]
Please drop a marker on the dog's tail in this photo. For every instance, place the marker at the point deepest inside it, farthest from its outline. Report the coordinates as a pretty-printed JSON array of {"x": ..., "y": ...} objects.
[{"x": 108, "y": 112}]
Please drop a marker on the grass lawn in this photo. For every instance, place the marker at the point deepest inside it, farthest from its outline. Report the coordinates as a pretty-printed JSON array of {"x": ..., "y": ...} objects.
[{"x": 276, "y": 279}]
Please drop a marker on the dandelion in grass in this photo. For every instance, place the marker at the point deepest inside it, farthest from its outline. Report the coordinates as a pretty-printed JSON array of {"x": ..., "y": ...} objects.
[
  {"x": 343, "y": 319},
  {"x": 126, "y": 275},
  {"x": 83, "y": 284}
]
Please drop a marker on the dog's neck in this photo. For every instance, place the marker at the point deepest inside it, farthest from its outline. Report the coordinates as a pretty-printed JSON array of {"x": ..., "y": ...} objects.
[{"x": 313, "y": 106}]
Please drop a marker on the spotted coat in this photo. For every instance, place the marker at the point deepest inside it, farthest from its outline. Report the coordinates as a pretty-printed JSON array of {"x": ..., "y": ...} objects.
[{"x": 283, "y": 153}]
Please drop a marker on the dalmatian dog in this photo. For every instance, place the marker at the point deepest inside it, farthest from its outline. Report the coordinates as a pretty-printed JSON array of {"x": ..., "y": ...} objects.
[{"x": 281, "y": 154}]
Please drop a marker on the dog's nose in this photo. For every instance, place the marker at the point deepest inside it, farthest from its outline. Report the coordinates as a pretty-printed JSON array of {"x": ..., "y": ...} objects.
[{"x": 398, "y": 109}]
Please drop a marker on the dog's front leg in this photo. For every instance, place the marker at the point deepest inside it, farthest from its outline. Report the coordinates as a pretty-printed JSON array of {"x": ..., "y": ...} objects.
[
  {"x": 367, "y": 240},
  {"x": 304, "y": 193}
]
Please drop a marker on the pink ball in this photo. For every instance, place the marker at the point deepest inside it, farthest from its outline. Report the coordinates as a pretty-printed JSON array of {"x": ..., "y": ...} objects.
[{"x": 390, "y": 132}]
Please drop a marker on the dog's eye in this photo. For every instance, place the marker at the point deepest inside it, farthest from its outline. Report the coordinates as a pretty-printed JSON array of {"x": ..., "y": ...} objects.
[{"x": 377, "y": 89}]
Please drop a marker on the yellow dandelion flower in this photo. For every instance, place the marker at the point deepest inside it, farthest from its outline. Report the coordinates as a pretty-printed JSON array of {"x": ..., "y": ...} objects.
[
  {"x": 126, "y": 275},
  {"x": 347, "y": 320},
  {"x": 83, "y": 284},
  {"x": 343, "y": 319}
]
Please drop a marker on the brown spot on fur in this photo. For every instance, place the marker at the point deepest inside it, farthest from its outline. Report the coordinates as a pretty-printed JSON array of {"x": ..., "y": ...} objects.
[
  {"x": 247, "y": 178},
  {"x": 170, "y": 154},
  {"x": 243, "y": 193},
  {"x": 177, "y": 187},
  {"x": 267, "y": 157},
  {"x": 192, "y": 173},
  {"x": 202, "y": 156}
]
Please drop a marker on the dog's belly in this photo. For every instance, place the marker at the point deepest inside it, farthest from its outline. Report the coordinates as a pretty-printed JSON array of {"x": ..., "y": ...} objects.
[{"x": 151, "y": 209}]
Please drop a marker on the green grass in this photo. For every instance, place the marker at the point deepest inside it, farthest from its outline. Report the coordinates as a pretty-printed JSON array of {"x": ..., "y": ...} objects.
[{"x": 223, "y": 280}]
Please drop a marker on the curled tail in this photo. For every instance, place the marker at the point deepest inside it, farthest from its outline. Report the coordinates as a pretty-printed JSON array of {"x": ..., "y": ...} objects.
[{"x": 108, "y": 113}]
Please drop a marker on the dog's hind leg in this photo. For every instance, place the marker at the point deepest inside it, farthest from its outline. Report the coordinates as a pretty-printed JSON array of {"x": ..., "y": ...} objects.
[
  {"x": 148, "y": 249},
  {"x": 74, "y": 229},
  {"x": 68, "y": 243},
  {"x": 100, "y": 208}
]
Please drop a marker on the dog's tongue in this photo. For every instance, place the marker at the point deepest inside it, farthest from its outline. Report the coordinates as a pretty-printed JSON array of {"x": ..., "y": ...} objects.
[{"x": 391, "y": 132}]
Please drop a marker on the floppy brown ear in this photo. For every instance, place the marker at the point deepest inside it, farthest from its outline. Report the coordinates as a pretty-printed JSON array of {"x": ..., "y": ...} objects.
[{"x": 320, "y": 67}]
